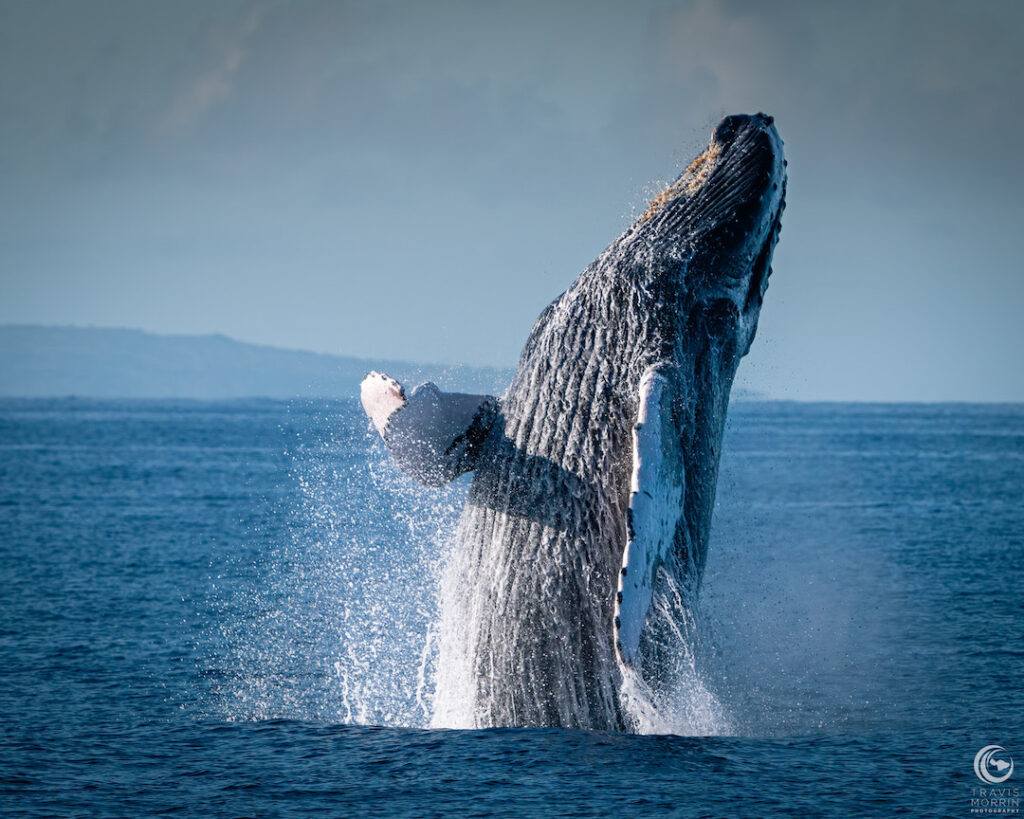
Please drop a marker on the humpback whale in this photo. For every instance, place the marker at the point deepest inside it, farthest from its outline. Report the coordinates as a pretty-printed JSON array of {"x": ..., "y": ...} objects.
[{"x": 594, "y": 474}]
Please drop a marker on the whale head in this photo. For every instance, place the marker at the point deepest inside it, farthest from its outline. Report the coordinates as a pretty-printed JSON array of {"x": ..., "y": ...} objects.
[{"x": 718, "y": 222}]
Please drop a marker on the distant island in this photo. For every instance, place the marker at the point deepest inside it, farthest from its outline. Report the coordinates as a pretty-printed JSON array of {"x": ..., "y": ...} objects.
[
  {"x": 38, "y": 361},
  {"x": 93, "y": 362}
]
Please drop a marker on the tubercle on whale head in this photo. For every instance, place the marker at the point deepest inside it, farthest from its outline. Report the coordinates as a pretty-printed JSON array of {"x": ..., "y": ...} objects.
[{"x": 723, "y": 212}]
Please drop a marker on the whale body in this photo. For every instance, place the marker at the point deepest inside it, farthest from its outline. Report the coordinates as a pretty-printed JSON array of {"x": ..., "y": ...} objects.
[{"x": 595, "y": 473}]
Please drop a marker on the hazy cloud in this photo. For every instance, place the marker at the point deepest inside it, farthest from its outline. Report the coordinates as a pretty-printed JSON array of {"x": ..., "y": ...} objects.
[
  {"x": 286, "y": 172},
  {"x": 215, "y": 77}
]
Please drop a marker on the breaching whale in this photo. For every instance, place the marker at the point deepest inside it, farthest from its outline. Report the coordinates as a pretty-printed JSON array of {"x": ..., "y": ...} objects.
[{"x": 594, "y": 475}]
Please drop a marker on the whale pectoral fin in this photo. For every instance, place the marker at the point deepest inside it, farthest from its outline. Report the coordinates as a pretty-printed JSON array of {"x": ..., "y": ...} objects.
[
  {"x": 434, "y": 436},
  {"x": 655, "y": 507}
]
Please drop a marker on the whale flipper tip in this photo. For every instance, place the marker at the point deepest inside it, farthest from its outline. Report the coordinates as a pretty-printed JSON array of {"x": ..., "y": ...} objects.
[{"x": 382, "y": 396}]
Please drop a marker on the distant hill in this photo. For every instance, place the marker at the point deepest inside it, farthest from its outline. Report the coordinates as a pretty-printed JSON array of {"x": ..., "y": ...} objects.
[{"x": 44, "y": 362}]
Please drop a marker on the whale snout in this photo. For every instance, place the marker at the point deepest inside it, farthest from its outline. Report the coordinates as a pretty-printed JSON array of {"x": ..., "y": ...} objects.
[
  {"x": 742, "y": 127},
  {"x": 751, "y": 168},
  {"x": 730, "y": 224},
  {"x": 716, "y": 226},
  {"x": 732, "y": 184}
]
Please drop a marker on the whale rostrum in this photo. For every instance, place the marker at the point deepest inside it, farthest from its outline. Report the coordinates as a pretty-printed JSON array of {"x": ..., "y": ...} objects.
[{"x": 594, "y": 475}]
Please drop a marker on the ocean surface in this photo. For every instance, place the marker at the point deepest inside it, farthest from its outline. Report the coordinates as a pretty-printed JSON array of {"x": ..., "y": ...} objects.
[{"x": 230, "y": 609}]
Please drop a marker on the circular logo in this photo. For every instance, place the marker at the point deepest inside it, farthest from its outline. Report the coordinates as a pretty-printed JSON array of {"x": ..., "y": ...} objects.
[{"x": 993, "y": 765}]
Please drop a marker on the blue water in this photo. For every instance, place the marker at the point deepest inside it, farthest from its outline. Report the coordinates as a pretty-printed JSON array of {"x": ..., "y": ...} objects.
[{"x": 228, "y": 609}]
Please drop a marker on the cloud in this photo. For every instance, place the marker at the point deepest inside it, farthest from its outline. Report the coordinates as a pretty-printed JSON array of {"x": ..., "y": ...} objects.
[
  {"x": 915, "y": 83},
  {"x": 214, "y": 79}
]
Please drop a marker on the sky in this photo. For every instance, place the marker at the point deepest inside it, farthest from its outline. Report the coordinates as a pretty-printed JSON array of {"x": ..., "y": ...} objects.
[{"x": 418, "y": 180}]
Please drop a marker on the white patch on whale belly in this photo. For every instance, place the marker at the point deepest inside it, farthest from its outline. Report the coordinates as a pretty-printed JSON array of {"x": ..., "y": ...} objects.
[{"x": 655, "y": 509}]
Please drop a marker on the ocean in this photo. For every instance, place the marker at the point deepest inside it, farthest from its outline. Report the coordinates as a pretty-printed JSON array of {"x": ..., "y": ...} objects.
[{"x": 230, "y": 609}]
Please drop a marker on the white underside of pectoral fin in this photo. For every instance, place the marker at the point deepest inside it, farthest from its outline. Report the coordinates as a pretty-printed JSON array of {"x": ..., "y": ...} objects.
[
  {"x": 655, "y": 508},
  {"x": 382, "y": 397}
]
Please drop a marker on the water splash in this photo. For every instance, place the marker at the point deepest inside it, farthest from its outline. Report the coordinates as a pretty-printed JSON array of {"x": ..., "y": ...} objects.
[
  {"x": 343, "y": 620},
  {"x": 678, "y": 698},
  {"x": 335, "y": 621}
]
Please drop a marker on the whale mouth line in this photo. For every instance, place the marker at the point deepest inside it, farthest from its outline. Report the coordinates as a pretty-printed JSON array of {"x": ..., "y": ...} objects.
[{"x": 761, "y": 269}]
